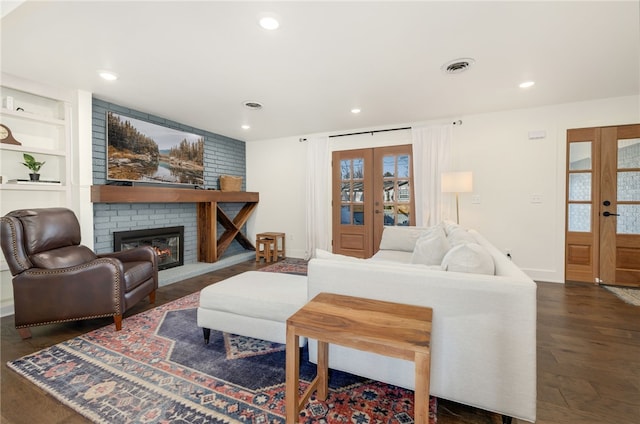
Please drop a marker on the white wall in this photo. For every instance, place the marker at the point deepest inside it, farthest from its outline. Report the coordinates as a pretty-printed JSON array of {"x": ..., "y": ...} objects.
[{"x": 508, "y": 170}]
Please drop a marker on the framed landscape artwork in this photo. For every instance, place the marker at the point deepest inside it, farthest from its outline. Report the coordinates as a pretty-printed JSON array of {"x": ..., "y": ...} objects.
[{"x": 141, "y": 151}]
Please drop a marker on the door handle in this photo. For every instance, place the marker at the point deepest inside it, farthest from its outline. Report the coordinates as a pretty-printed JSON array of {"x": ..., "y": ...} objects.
[{"x": 607, "y": 213}]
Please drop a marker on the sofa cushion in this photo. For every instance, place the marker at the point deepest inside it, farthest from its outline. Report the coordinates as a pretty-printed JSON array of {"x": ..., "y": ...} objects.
[
  {"x": 470, "y": 258},
  {"x": 449, "y": 226},
  {"x": 400, "y": 238},
  {"x": 459, "y": 236},
  {"x": 265, "y": 295},
  {"x": 431, "y": 247}
]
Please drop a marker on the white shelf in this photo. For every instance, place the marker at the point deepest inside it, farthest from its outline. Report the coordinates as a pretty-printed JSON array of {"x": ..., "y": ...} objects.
[
  {"x": 32, "y": 117},
  {"x": 33, "y": 186},
  {"x": 28, "y": 149}
]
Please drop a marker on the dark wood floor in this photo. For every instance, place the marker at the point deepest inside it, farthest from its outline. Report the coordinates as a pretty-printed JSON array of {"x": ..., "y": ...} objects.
[{"x": 588, "y": 358}]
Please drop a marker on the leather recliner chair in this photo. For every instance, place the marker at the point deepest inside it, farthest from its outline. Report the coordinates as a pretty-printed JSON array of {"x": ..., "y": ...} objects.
[{"x": 56, "y": 279}]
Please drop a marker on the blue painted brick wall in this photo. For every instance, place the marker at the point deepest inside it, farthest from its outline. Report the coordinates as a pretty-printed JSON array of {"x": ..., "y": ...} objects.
[{"x": 222, "y": 155}]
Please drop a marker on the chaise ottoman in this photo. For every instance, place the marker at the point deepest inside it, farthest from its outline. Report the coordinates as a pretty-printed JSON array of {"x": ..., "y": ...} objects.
[{"x": 254, "y": 304}]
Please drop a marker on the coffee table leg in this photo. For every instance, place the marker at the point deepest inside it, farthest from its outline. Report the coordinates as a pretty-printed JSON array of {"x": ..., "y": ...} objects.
[
  {"x": 421, "y": 394},
  {"x": 323, "y": 370},
  {"x": 292, "y": 375}
]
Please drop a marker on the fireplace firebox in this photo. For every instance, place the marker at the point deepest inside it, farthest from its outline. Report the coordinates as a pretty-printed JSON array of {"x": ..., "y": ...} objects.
[{"x": 167, "y": 242}]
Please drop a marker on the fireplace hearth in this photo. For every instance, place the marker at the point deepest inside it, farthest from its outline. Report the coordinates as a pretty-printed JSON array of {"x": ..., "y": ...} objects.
[{"x": 167, "y": 242}]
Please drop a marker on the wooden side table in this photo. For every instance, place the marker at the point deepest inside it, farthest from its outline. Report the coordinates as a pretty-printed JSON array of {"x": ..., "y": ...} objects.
[
  {"x": 264, "y": 249},
  {"x": 386, "y": 328},
  {"x": 279, "y": 250}
]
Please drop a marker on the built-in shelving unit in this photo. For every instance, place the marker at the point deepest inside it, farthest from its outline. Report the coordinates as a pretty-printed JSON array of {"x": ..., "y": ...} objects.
[{"x": 40, "y": 119}]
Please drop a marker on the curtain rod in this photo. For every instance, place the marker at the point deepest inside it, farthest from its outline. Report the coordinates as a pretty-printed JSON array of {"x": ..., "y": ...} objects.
[
  {"x": 370, "y": 132},
  {"x": 458, "y": 122}
]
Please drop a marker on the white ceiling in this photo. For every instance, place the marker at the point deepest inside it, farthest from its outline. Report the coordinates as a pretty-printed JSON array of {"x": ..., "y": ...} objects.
[{"x": 197, "y": 62}]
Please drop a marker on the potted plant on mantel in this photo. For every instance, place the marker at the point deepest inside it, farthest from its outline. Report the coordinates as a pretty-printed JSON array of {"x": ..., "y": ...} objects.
[{"x": 31, "y": 163}]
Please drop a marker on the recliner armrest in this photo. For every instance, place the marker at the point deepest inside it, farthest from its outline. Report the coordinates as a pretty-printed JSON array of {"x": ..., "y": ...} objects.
[{"x": 143, "y": 253}]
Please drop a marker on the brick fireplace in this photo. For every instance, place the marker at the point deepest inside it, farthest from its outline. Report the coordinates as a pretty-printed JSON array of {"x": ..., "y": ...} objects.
[{"x": 168, "y": 243}]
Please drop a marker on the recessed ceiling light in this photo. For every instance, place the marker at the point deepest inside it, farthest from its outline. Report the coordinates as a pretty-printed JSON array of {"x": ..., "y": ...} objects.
[
  {"x": 108, "y": 75},
  {"x": 527, "y": 84},
  {"x": 355, "y": 110},
  {"x": 269, "y": 23},
  {"x": 246, "y": 127},
  {"x": 252, "y": 105}
]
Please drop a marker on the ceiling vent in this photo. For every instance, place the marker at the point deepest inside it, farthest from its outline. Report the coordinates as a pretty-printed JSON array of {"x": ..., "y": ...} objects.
[
  {"x": 457, "y": 66},
  {"x": 253, "y": 105}
]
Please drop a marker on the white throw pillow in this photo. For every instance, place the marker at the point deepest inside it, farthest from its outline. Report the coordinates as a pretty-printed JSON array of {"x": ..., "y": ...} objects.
[
  {"x": 469, "y": 257},
  {"x": 460, "y": 235},
  {"x": 400, "y": 238},
  {"x": 430, "y": 248},
  {"x": 449, "y": 226}
]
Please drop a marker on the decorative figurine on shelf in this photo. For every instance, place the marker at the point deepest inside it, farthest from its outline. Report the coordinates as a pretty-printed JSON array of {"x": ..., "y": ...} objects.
[
  {"x": 6, "y": 136},
  {"x": 31, "y": 163}
]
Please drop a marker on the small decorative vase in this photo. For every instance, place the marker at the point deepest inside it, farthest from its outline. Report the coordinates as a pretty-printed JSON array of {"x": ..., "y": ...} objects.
[{"x": 34, "y": 177}]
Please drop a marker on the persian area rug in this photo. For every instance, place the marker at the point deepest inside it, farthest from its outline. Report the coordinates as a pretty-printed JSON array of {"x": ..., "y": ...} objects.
[
  {"x": 157, "y": 369},
  {"x": 288, "y": 266},
  {"x": 631, "y": 296}
]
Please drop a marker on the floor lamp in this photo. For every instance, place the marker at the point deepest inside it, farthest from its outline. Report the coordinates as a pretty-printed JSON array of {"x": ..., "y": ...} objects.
[{"x": 457, "y": 182}]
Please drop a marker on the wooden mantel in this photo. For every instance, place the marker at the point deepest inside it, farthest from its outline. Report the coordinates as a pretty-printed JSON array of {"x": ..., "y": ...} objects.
[
  {"x": 210, "y": 247},
  {"x": 146, "y": 194}
]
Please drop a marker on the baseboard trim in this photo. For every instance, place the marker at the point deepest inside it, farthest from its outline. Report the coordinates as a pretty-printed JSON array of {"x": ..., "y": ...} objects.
[{"x": 6, "y": 310}]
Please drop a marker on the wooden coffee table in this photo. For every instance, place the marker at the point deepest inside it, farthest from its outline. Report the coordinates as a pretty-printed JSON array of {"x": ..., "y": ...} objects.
[{"x": 386, "y": 328}]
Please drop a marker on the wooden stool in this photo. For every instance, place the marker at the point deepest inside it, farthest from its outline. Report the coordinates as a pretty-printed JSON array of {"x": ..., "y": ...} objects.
[
  {"x": 278, "y": 248},
  {"x": 264, "y": 249}
]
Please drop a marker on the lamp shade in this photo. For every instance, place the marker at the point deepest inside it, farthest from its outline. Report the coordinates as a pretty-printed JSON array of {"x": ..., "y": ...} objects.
[{"x": 457, "y": 182}]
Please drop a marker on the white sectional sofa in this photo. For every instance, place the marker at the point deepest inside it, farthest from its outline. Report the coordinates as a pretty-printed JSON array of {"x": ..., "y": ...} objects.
[{"x": 484, "y": 315}]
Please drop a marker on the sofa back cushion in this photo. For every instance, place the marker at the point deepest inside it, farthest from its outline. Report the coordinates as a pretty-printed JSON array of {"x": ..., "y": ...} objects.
[
  {"x": 431, "y": 247},
  {"x": 400, "y": 238}
]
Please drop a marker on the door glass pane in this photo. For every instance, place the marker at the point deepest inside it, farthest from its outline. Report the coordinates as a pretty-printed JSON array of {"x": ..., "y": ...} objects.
[
  {"x": 345, "y": 169},
  {"x": 403, "y": 215},
  {"x": 345, "y": 192},
  {"x": 358, "y": 192},
  {"x": 629, "y": 153},
  {"x": 628, "y": 221},
  {"x": 629, "y": 186},
  {"x": 389, "y": 166},
  {"x": 404, "y": 192},
  {"x": 358, "y": 168},
  {"x": 403, "y": 166},
  {"x": 580, "y": 217},
  {"x": 580, "y": 186},
  {"x": 580, "y": 155},
  {"x": 345, "y": 215},
  {"x": 389, "y": 192},
  {"x": 358, "y": 214},
  {"x": 389, "y": 215}
]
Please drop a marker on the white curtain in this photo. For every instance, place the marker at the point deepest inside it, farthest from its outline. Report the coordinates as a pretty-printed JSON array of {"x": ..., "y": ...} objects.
[
  {"x": 431, "y": 157},
  {"x": 317, "y": 201}
]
